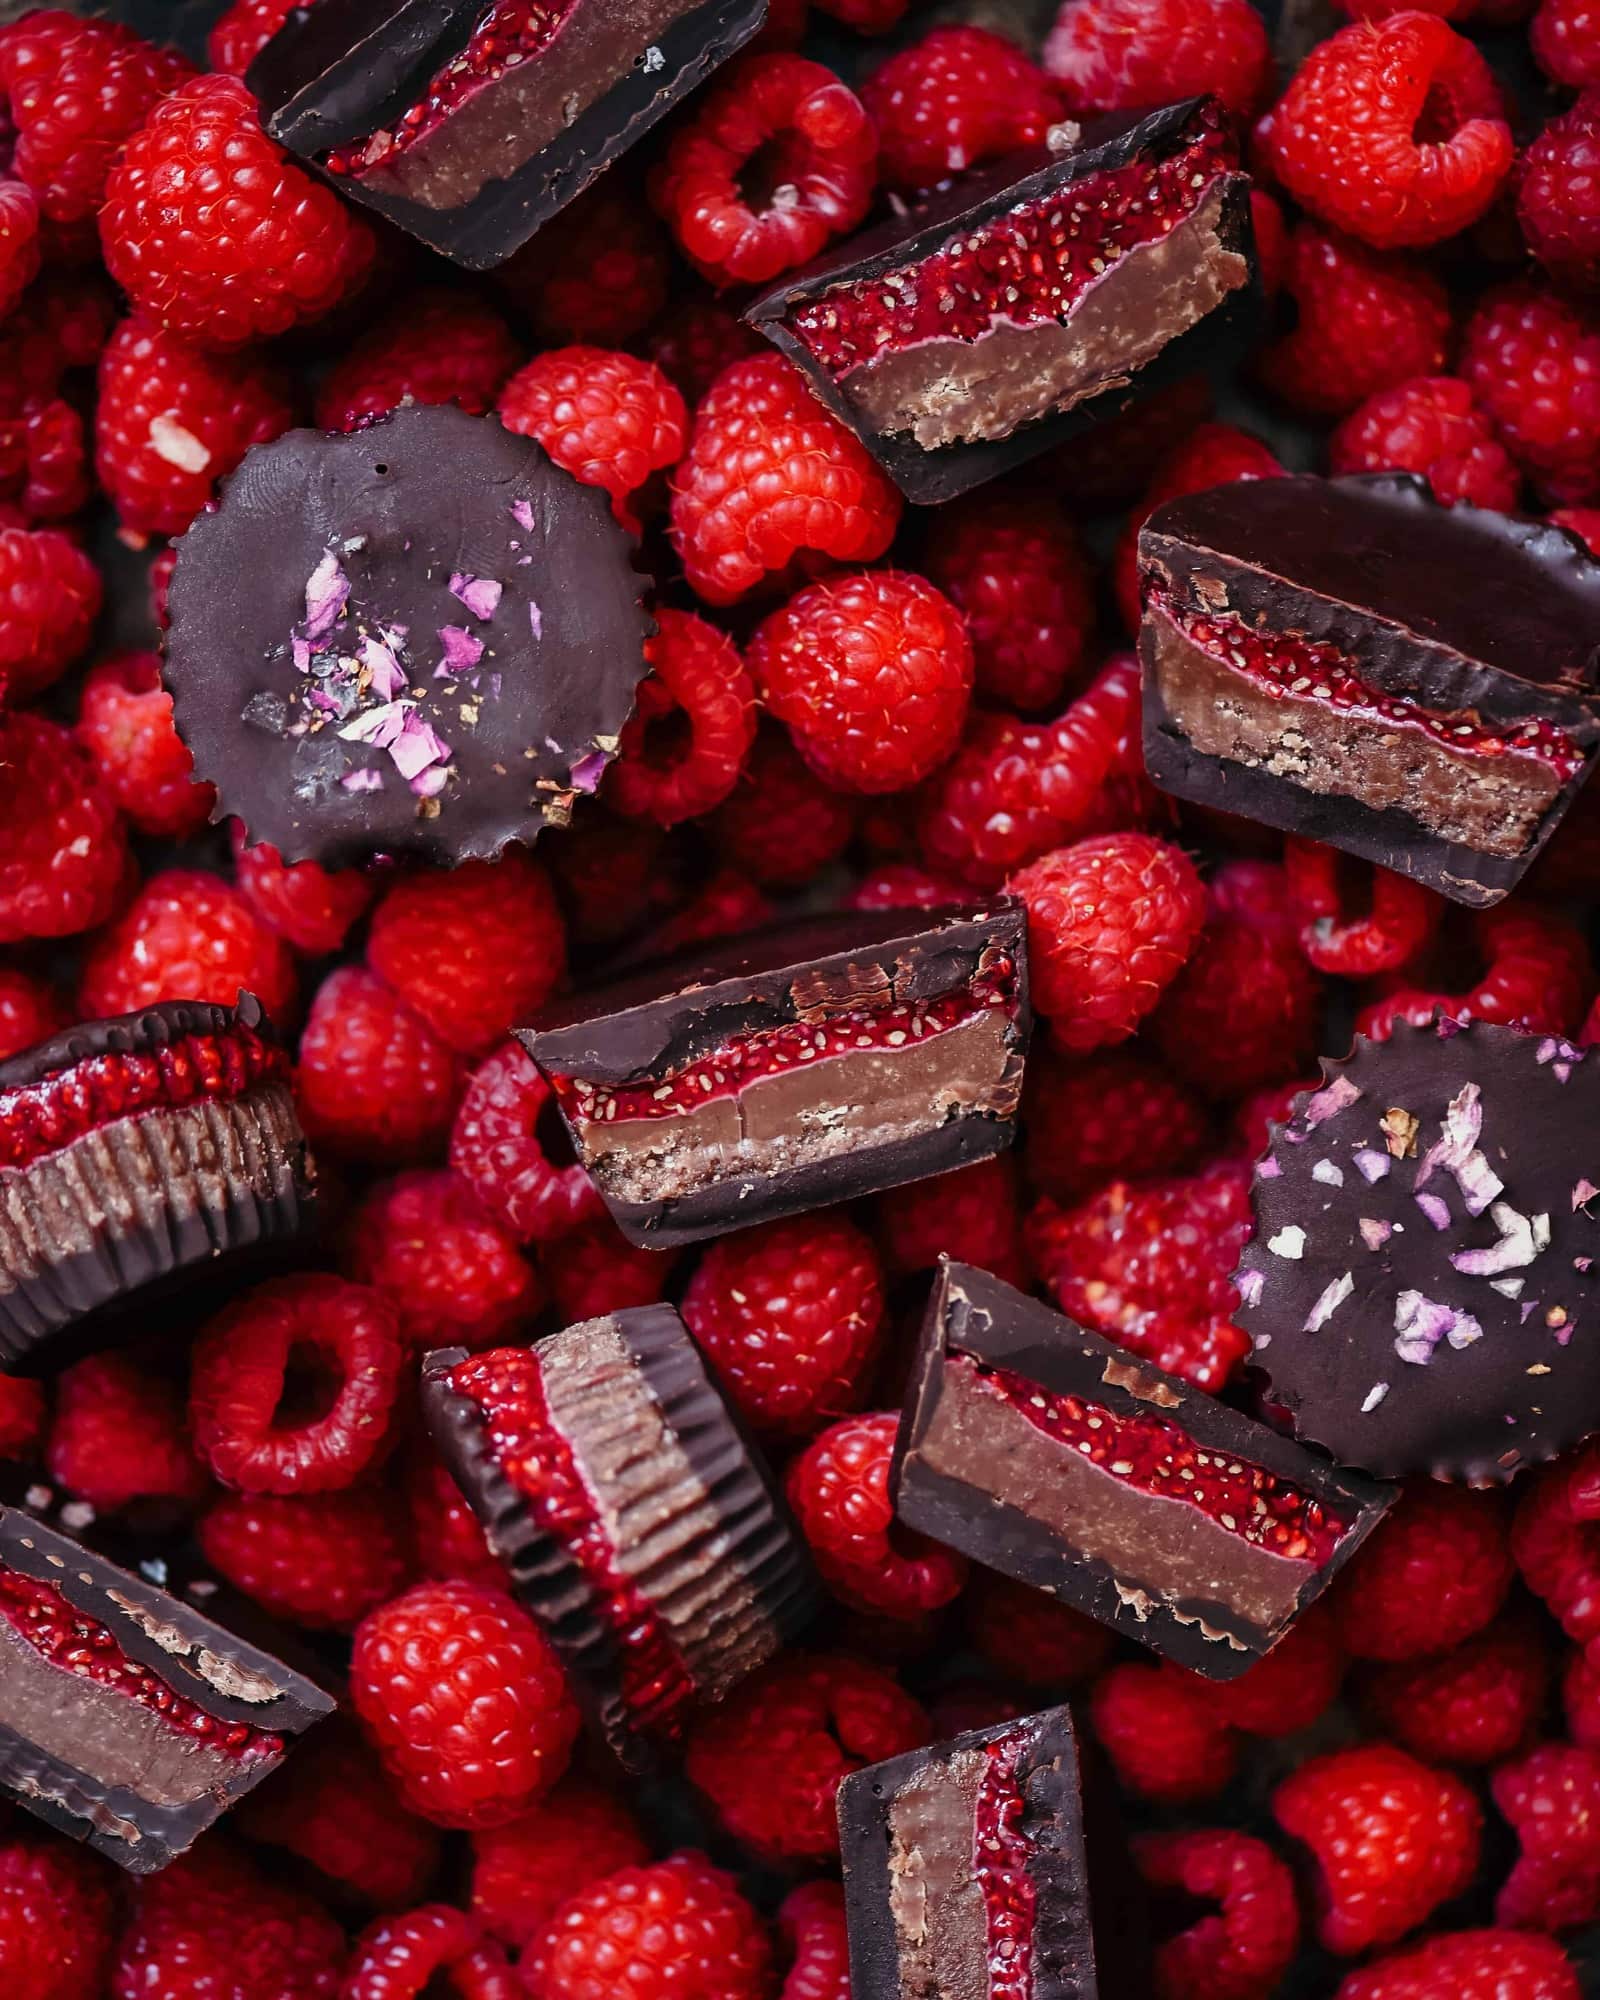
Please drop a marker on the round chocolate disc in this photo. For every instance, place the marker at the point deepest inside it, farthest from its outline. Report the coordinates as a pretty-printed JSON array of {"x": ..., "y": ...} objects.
[{"x": 418, "y": 638}]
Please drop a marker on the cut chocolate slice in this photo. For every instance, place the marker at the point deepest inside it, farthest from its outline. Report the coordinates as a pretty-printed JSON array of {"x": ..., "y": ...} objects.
[
  {"x": 1348, "y": 660},
  {"x": 471, "y": 122},
  {"x": 438, "y": 656},
  {"x": 134, "y": 1148},
  {"x": 965, "y": 1875},
  {"x": 1029, "y": 299},
  {"x": 805, "y": 1064},
  {"x": 134, "y": 1710},
  {"x": 1059, "y": 1459},
  {"x": 637, "y": 1523},
  {"x": 1420, "y": 1286}
]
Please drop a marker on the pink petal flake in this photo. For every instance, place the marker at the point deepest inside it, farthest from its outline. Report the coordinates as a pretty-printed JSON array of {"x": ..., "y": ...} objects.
[
  {"x": 1521, "y": 1239},
  {"x": 327, "y": 593},
  {"x": 1435, "y": 1208},
  {"x": 1328, "y": 1303},
  {"x": 462, "y": 651},
  {"x": 1456, "y": 1150},
  {"x": 362, "y": 781},
  {"x": 1583, "y": 1192},
  {"x": 416, "y": 747},
  {"x": 588, "y": 771},
  {"x": 385, "y": 675},
  {"x": 430, "y": 783},
  {"x": 378, "y": 726},
  {"x": 535, "y": 619},
  {"x": 1371, "y": 1164},
  {"x": 1328, "y": 1102},
  {"x": 522, "y": 514},
  {"x": 480, "y": 594},
  {"x": 1374, "y": 1232},
  {"x": 1420, "y": 1323},
  {"x": 1249, "y": 1286}
]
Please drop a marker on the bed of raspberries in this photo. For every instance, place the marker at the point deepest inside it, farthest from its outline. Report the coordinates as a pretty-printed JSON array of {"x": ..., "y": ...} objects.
[{"x": 1403, "y": 1801}]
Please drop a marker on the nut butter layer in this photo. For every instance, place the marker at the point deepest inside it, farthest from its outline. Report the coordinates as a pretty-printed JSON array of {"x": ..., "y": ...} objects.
[{"x": 1056, "y": 1457}]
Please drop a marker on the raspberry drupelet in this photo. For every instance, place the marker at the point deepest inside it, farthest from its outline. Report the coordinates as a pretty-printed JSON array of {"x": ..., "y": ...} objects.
[
  {"x": 1556, "y": 1542},
  {"x": 1031, "y": 1638},
  {"x": 970, "y": 1213},
  {"x": 1565, "y": 38},
  {"x": 1393, "y": 920},
  {"x": 957, "y": 97},
  {"x": 375, "y": 1083}
]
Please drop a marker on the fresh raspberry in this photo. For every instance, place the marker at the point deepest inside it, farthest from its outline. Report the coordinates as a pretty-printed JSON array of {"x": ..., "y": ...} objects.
[
  {"x": 213, "y": 1924},
  {"x": 63, "y": 324},
  {"x": 1110, "y": 923},
  {"x": 970, "y": 1214},
  {"x": 30, "y": 1012},
  {"x": 599, "y": 271},
  {"x": 1469, "y": 1965},
  {"x": 1031, "y": 1637},
  {"x": 171, "y": 420},
  {"x": 614, "y": 876},
  {"x": 1213, "y": 455},
  {"x": 771, "y": 1756},
  {"x": 1151, "y": 1267},
  {"x": 1364, "y": 321},
  {"x": 1289, "y": 1688},
  {"x": 1551, "y": 1798},
  {"x": 125, "y": 724},
  {"x": 1584, "y": 522},
  {"x": 1245, "y": 1008},
  {"x": 322, "y": 1560},
  {"x": 465, "y": 1700},
  {"x": 186, "y": 936},
  {"x": 450, "y": 1271},
  {"x": 867, "y": 17},
  {"x": 952, "y": 100},
  {"x": 117, "y": 1437},
  {"x": 510, "y": 1147},
  {"x": 676, "y": 1930},
  {"x": 1564, "y": 36},
  {"x": 211, "y": 231},
  {"x": 781, "y": 824},
  {"x": 524, "y": 1871},
  {"x": 22, "y": 1419},
  {"x": 692, "y": 727},
  {"x": 776, "y": 157},
  {"x": 1165, "y": 1740},
  {"x": 1391, "y": 1838},
  {"x": 448, "y": 347},
  {"x": 838, "y": 1488},
  {"x": 609, "y": 419},
  {"x": 450, "y": 1542},
  {"x": 74, "y": 90},
  {"x": 1101, "y": 1117},
  {"x": 812, "y": 1921},
  {"x": 244, "y": 31},
  {"x": 789, "y": 1315},
  {"x": 1433, "y": 427},
  {"x": 1240, "y": 1949},
  {"x": 63, "y": 853},
  {"x": 19, "y": 243},
  {"x": 597, "y": 1271},
  {"x": 1538, "y": 972},
  {"x": 1533, "y": 362},
  {"x": 1436, "y": 1572},
  {"x": 57, "y": 1920},
  {"x": 696, "y": 341},
  {"x": 1393, "y": 919},
  {"x": 728, "y": 904},
  {"x": 1557, "y": 204},
  {"x": 49, "y": 600},
  {"x": 307, "y": 906},
  {"x": 1132, "y": 55},
  {"x": 901, "y": 885},
  {"x": 1473, "y": 1705},
  {"x": 374, "y": 1083},
  {"x": 771, "y": 476},
  {"x": 1015, "y": 571},
  {"x": 971, "y": 1703},
  {"x": 44, "y": 457},
  {"x": 434, "y": 1949},
  {"x": 1555, "y": 1538}
]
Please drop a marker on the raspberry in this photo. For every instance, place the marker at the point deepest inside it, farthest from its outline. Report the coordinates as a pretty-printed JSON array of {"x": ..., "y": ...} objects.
[
  {"x": 1213, "y": 455},
  {"x": 1584, "y": 522},
  {"x": 614, "y": 875},
  {"x": 1537, "y": 977},
  {"x": 838, "y": 1488},
  {"x": 900, "y": 885},
  {"x": 1533, "y": 362},
  {"x": 450, "y": 1272},
  {"x": 211, "y": 1923},
  {"x": 696, "y": 341},
  {"x": 117, "y": 1437},
  {"x": 598, "y": 1271},
  {"x": 63, "y": 853},
  {"x": 867, "y": 17},
  {"x": 952, "y": 100},
  {"x": 524, "y": 1871},
  {"x": 74, "y": 91},
  {"x": 771, "y": 1756},
  {"x": 970, "y": 1214},
  {"x": 1290, "y": 1687},
  {"x": 777, "y": 157},
  {"x": 30, "y": 1012},
  {"x": 19, "y": 243},
  {"x": 1110, "y": 923},
  {"x": 322, "y": 1560},
  {"x": 428, "y": 1950},
  {"x": 871, "y": 674},
  {"x": 1565, "y": 38},
  {"x": 599, "y": 271},
  {"x": 770, "y": 476},
  {"x": 1433, "y": 427},
  {"x": 171, "y": 420},
  {"x": 1165, "y": 1740},
  {"x": 1391, "y": 1840},
  {"x": 1396, "y": 917},
  {"x": 465, "y": 1701},
  {"x": 1557, "y": 1545},
  {"x": 450, "y": 1543},
  {"x": 1552, "y": 1800},
  {"x": 1472, "y": 1705},
  {"x": 450, "y": 347},
  {"x": 186, "y": 936},
  {"x": 676, "y": 1930},
  {"x": 1242, "y": 1948},
  {"x": 789, "y": 1315},
  {"x": 44, "y": 458},
  {"x": 1245, "y": 1008},
  {"x": 1469, "y": 1965},
  {"x": 692, "y": 727},
  {"x": 502, "y": 1145},
  {"x": 1151, "y": 1267},
  {"x": 374, "y": 1082},
  {"x": 1132, "y": 55},
  {"x": 125, "y": 724},
  {"x": 1015, "y": 571},
  {"x": 1556, "y": 195},
  {"x": 1363, "y": 322},
  {"x": 307, "y": 906},
  {"x": 1436, "y": 1572},
  {"x": 811, "y": 1919},
  {"x": 1030, "y": 1637},
  {"x": 57, "y": 1920},
  {"x": 22, "y": 1419},
  {"x": 609, "y": 419},
  {"x": 1100, "y": 1117},
  {"x": 211, "y": 231},
  {"x": 244, "y": 31},
  {"x": 49, "y": 600},
  {"x": 781, "y": 823},
  {"x": 728, "y": 904}
]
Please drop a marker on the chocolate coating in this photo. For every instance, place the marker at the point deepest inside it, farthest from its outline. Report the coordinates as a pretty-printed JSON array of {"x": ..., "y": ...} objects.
[{"x": 401, "y": 508}]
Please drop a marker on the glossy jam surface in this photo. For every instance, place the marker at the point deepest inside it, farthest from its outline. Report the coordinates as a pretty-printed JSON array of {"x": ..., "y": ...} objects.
[
  {"x": 1158, "y": 1456},
  {"x": 656, "y": 1685},
  {"x": 1023, "y": 268},
  {"x": 42, "y": 1117},
  {"x": 1000, "y": 1853},
  {"x": 68, "y": 1638},
  {"x": 727, "y": 1070},
  {"x": 1286, "y": 664}
]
